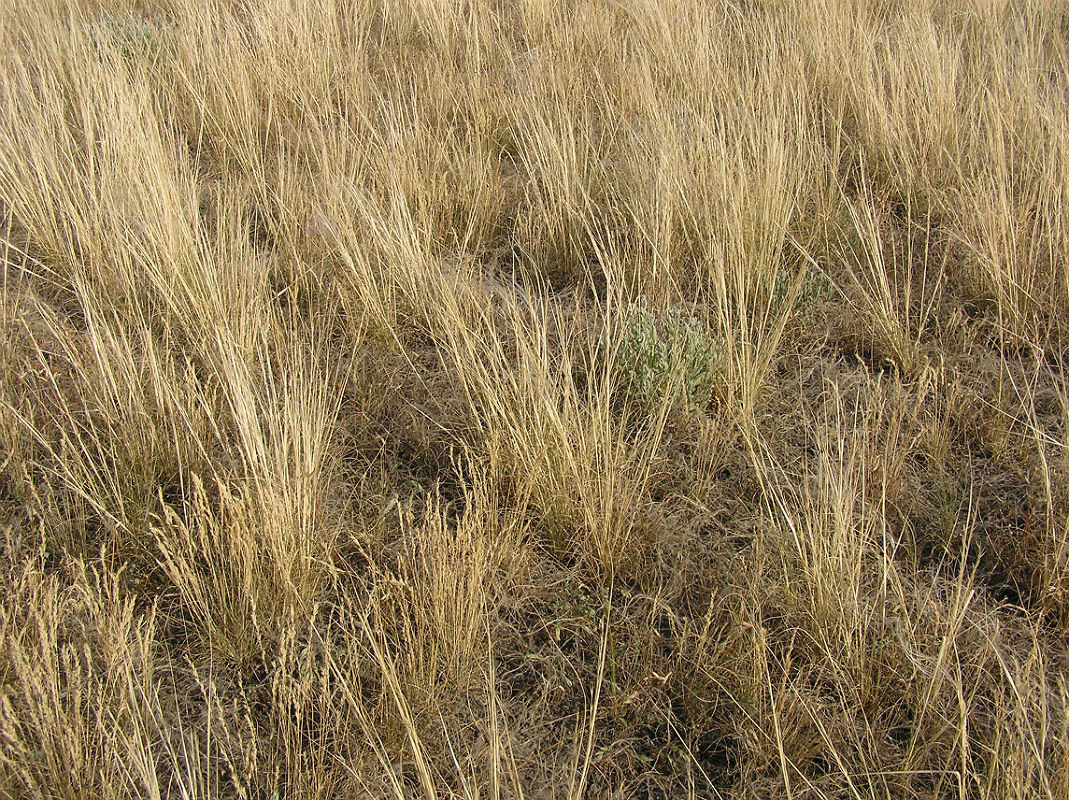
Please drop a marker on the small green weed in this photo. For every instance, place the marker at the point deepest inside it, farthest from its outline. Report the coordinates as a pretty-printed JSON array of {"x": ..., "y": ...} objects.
[
  {"x": 815, "y": 288},
  {"x": 132, "y": 35},
  {"x": 668, "y": 356}
]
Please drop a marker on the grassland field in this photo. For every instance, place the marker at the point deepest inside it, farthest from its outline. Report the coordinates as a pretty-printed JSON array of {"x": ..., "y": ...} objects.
[{"x": 534, "y": 399}]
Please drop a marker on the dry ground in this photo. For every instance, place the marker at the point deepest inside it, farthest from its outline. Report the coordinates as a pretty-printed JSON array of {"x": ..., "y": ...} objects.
[{"x": 523, "y": 398}]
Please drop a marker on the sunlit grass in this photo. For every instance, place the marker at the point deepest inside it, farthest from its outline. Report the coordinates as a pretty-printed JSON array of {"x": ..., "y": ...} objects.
[{"x": 534, "y": 398}]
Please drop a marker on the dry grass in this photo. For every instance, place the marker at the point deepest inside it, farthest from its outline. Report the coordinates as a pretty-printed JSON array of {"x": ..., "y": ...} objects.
[{"x": 327, "y": 470}]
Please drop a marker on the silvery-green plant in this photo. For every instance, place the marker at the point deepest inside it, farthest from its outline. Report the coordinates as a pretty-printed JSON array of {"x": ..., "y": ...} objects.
[
  {"x": 815, "y": 288},
  {"x": 667, "y": 356},
  {"x": 131, "y": 34}
]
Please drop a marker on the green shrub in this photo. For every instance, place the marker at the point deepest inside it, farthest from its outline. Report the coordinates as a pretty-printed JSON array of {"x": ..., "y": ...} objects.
[
  {"x": 132, "y": 35},
  {"x": 815, "y": 288},
  {"x": 667, "y": 356}
]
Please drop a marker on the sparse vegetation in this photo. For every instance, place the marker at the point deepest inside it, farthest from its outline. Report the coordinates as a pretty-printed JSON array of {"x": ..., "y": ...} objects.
[{"x": 529, "y": 398}]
